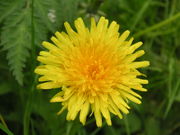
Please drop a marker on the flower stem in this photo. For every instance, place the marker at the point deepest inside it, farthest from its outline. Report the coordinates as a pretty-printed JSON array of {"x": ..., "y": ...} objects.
[{"x": 27, "y": 113}]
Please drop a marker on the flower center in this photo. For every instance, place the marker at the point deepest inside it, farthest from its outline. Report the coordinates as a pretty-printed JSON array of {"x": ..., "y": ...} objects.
[{"x": 94, "y": 70}]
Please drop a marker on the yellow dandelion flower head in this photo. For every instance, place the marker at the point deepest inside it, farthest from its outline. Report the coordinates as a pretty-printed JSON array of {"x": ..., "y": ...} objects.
[{"x": 94, "y": 69}]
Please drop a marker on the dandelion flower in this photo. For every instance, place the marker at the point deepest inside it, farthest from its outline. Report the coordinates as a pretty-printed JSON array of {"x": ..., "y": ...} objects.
[{"x": 94, "y": 69}]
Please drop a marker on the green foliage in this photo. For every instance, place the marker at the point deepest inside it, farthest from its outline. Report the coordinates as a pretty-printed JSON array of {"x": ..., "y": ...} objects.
[
  {"x": 24, "y": 24},
  {"x": 21, "y": 22},
  {"x": 152, "y": 124},
  {"x": 5, "y": 129},
  {"x": 41, "y": 9},
  {"x": 8, "y": 7},
  {"x": 17, "y": 42},
  {"x": 66, "y": 10}
]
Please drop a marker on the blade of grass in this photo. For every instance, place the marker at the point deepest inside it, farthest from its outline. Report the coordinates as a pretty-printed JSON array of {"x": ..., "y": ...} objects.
[
  {"x": 5, "y": 129},
  {"x": 156, "y": 26},
  {"x": 173, "y": 85},
  {"x": 140, "y": 14},
  {"x": 173, "y": 7},
  {"x": 3, "y": 121},
  {"x": 171, "y": 99},
  {"x": 69, "y": 127}
]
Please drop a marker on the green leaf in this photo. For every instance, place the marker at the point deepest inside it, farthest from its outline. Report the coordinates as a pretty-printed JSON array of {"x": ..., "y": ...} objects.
[
  {"x": 7, "y": 7},
  {"x": 16, "y": 39},
  {"x": 40, "y": 29},
  {"x": 42, "y": 8},
  {"x": 51, "y": 14},
  {"x": 6, "y": 130}
]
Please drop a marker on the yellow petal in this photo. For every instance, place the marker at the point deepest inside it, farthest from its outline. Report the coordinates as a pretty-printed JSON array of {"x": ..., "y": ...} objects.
[
  {"x": 134, "y": 56},
  {"x": 134, "y": 47},
  {"x": 43, "y": 78},
  {"x": 41, "y": 70},
  {"x": 118, "y": 104},
  {"x": 45, "y": 60},
  {"x": 139, "y": 64},
  {"x": 93, "y": 25},
  {"x": 49, "y": 46},
  {"x": 58, "y": 97},
  {"x": 123, "y": 37},
  {"x": 69, "y": 30},
  {"x": 84, "y": 112},
  {"x": 105, "y": 112},
  {"x": 139, "y": 87},
  {"x": 55, "y": 41},
  {"x": 113, "y": 29},
  {"x": 62, "y": 109},
  {"x": 79, "y": 24},
  {"x": 97, "y": 112},
  {"x": 127, "y": 89},
  {"x": 114, "y": 109},
  {"x": 49, "y": 85},
  {"x": 130, "y": 97}
]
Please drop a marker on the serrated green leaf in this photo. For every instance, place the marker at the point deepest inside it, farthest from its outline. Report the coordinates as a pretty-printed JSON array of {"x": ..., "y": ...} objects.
[
  {"x": 7, "y": 7},
  {"x": 42, "y": 8},
  {"x": 50, "y": 15},
  {"x": 41, "y": 31},
  {"x": 18, "y": 41}
]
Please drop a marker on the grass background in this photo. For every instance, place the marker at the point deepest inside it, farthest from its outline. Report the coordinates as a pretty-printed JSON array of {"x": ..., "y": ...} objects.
[{"x": 24, "y": 24}]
